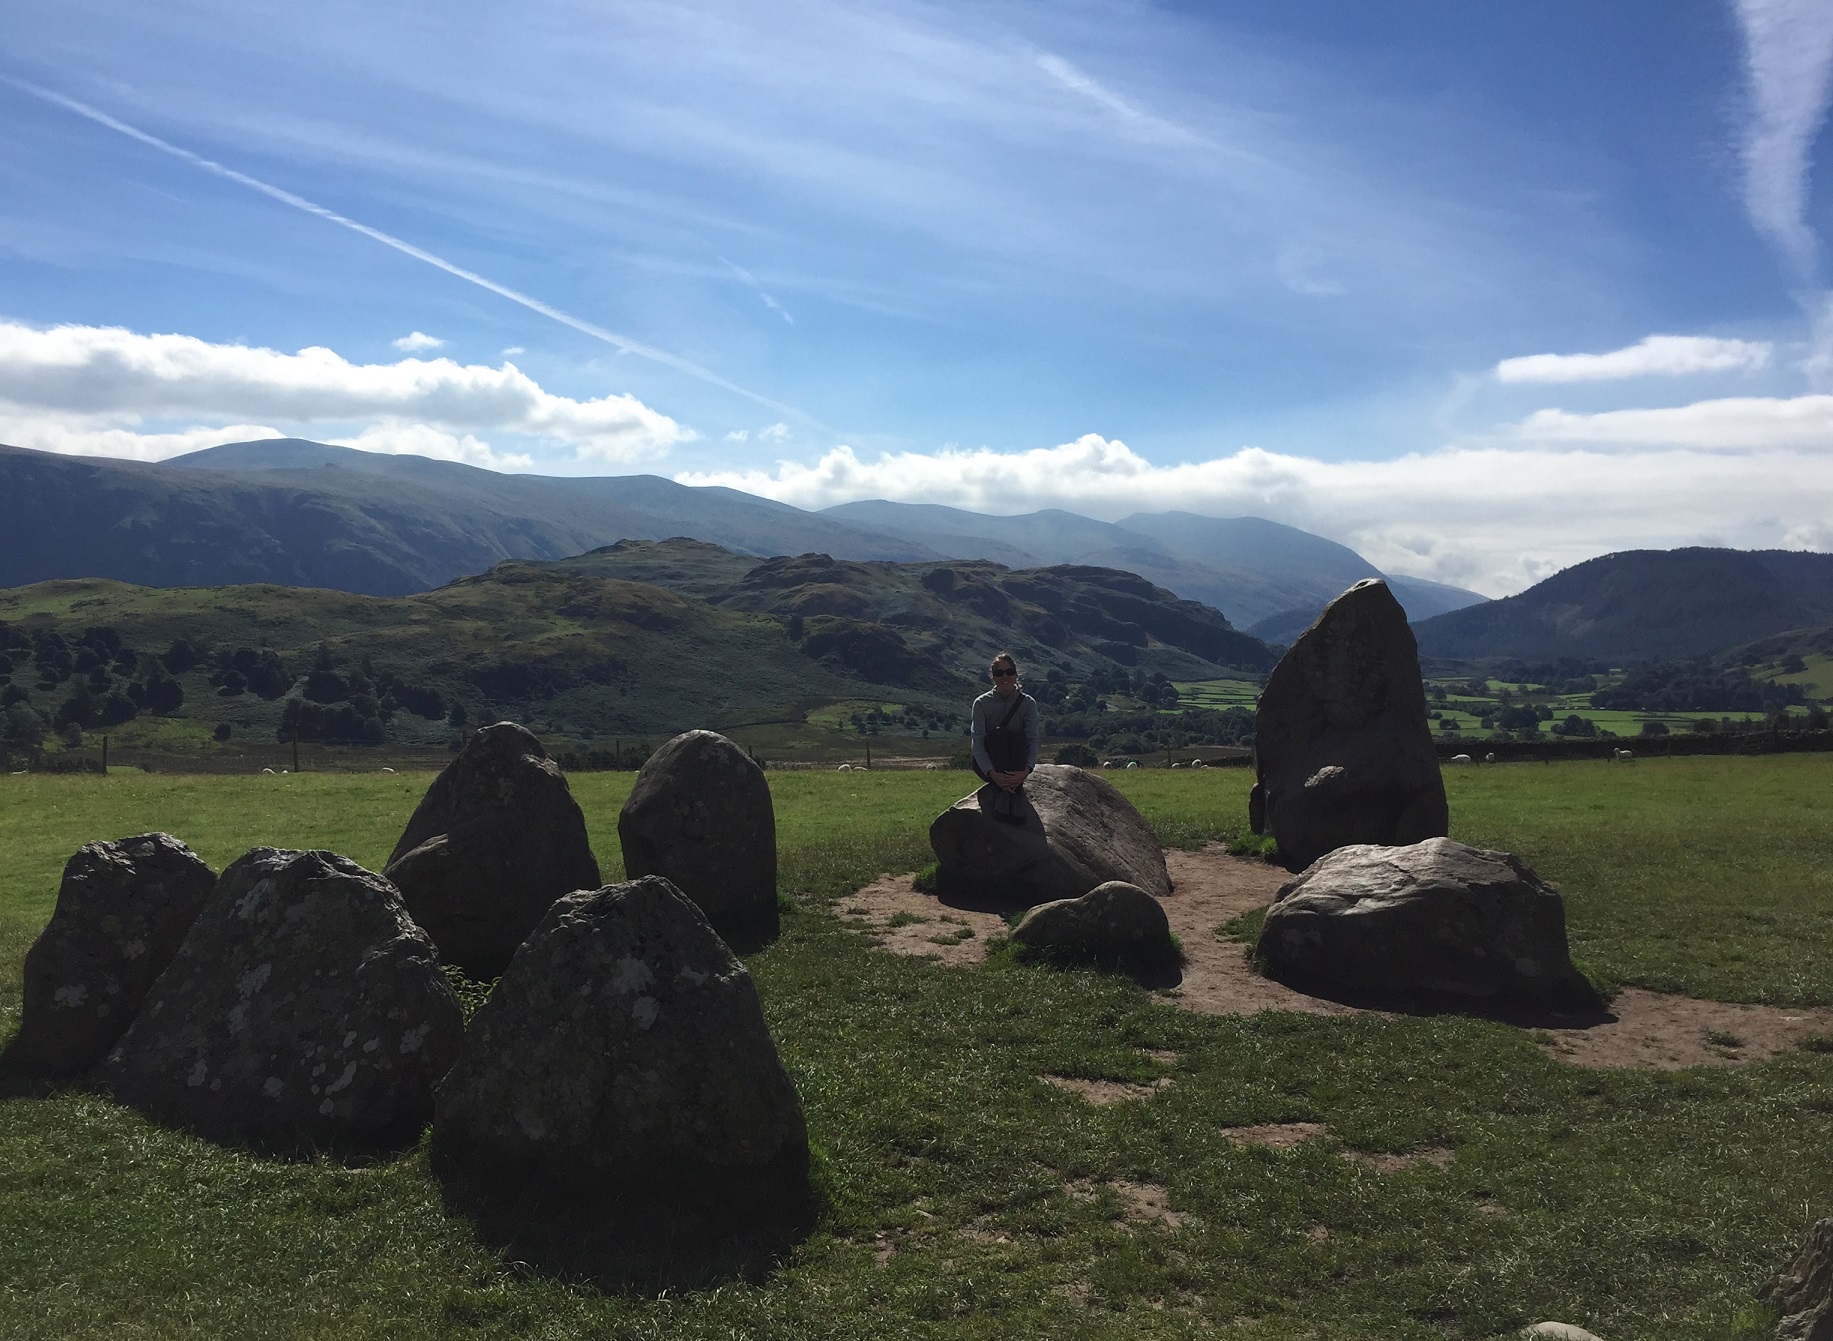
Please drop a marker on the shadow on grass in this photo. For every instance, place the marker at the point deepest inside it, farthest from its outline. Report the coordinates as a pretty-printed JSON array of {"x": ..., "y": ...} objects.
[
  {"x": 1583, "y": 1009},
  {"x": 643, "y": 1238}
]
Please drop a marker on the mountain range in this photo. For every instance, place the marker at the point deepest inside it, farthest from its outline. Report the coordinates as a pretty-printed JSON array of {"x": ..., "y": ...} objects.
[
  {"x": 301, "y": 513},
  {"x": 1643, "y": 604}
]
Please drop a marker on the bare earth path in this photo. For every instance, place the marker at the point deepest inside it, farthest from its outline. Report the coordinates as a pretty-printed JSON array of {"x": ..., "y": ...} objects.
[{"x": 1210, "y": 888}]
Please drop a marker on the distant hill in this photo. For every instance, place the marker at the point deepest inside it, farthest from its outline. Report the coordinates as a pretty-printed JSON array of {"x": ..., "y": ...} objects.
[
  {"x": 637, "y": 638},
  {"x": 304, "y": 513},
  {"x": 1644, "y": 604},
  {"x": 1253, "y": 570}
]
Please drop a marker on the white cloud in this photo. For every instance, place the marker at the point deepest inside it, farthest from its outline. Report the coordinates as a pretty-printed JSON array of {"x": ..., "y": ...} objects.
[
  {"x": 61, "y": 388},
  {"x": 1742, "y": 423},
  {"x": 774, "y": 433},
  {"x": 1496, "y": 517},
  {"x": 1653, "y": 356},
  {"x": 513, "y": 350},
  {"x": 1789, "y": 60},
  {"x": 420, "y": 440},
  {"x": 739, "y": 435},
  {"x": 415, "y": 342}
]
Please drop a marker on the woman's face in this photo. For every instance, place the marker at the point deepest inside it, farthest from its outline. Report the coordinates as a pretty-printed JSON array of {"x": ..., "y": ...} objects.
[{"x": 1005, "y": 679}]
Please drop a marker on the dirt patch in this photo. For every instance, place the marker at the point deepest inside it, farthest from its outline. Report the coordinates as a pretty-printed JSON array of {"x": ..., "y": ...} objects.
[
  {"x": 1103, "y": 1092},
  {"x": 906, "y": 921},
  {"x": 1140, "y": 1203},
  {"x": 1209, "y": 888},
  {"x": 1277, "y": 1135},
  {"x": 1656, "y": 1032},
  {"x": 1437, "y": 1156}
]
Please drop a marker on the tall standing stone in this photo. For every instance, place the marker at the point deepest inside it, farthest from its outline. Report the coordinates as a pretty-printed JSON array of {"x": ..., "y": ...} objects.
[
  {"x": 1342, "y": 747},
  {"x": 122, "y": 911},
  {"x": 497, "y": 838},
  {"x": 304, "y": 1007},
  {"x": 700, "y": 815},
  {"x": 625, "y": 1048}
]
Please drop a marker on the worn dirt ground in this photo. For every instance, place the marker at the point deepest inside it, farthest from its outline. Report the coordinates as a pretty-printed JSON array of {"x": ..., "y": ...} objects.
[{"x": 1209, "y": 888}]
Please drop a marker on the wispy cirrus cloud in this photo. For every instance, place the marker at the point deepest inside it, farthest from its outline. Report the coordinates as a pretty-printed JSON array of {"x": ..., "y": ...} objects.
[
  {"x": 109, "y": 391},
  {"x": 1789, "y": 63},
  {"x": 1652, "y": 356}
]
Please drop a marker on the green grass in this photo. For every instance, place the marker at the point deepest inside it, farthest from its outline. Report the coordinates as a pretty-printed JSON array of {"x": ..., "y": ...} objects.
[
  {"x": 1642, "y": 1205},
  {"x": 1217, "y": 693}
]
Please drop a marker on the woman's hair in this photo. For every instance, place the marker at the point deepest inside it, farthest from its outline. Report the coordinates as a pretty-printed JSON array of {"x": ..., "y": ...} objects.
[{"x": 1003, "y": 659}]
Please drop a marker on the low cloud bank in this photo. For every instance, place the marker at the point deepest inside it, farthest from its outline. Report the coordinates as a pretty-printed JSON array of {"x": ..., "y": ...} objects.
[
  {"x": 1653, "y": 356},
  {"x": 1495, "y": 517},
  {"x": 105, "y": 391}
]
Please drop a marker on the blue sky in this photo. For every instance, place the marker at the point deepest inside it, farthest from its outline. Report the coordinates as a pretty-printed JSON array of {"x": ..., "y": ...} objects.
[{"x": 1325, "y": 262}]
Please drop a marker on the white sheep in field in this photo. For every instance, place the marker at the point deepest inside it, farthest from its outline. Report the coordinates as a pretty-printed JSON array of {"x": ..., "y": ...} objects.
[
  {"x": 388, "y": 770},
  {"x": 268, "y": 771},
  {"x": 1627, "y": 756},
  {"x": 1490, "y": 758},
  {"x": 844, "y": 768},
  {"x": 1460, "y": 758}
]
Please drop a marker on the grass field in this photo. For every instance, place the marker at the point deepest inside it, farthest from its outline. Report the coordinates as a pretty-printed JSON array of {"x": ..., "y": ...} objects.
[{"x": 1643, "y": 1205}]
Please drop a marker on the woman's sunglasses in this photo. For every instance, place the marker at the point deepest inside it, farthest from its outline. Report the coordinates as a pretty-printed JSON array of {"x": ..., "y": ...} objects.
[{"x": 1005, "y": 675}]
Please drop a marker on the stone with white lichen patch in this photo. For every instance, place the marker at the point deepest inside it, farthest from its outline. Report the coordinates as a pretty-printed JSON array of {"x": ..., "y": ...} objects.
[
  {"x": 305, "y": 1006},
  {"x": 122, "y": 911},
  {"x": 625, "y": 1044}
]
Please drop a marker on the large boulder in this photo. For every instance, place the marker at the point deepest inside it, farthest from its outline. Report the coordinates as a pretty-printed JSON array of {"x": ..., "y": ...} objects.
[
  {"x": 1112, "y": 923},
  {"x": 700, "y": 816},
  {"x": 1342, "y": 747},
  {"x": 625, "y": 1048},
  {"x": 304, "y": 1008},
  {"x": 1079, "y": 832},
  {"x": 1432, "y": 918},
  {"x": 495, "y": 840},
  {"x": 1802, "y": 1292},
  {"x": 122, "y": 911}
]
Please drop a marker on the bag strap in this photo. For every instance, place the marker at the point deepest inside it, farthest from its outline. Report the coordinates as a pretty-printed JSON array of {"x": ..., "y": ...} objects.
[{"x": 1017, "y": 703}]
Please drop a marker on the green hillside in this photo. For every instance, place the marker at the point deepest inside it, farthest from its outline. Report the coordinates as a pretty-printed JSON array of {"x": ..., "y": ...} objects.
[{"x": 639, "y": 639}]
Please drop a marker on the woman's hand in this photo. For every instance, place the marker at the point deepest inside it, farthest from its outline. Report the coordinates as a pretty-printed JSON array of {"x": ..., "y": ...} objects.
[{"x": 1012, "y": 781}]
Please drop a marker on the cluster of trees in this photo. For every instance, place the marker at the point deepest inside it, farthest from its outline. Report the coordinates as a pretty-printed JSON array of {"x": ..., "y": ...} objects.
[
  {"x": 354, "y": 705},
  {"x": 1696, "y": 685},
  {"x": 1055, "y": 689},
  {"x": 93, "y": 679},
  {"x": 1148, "y": 732}
]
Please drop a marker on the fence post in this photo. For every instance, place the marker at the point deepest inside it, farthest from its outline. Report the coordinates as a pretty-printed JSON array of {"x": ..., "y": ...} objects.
[
  {"x": 295, "y": 750},
  {"x": 104, "y": 756}
]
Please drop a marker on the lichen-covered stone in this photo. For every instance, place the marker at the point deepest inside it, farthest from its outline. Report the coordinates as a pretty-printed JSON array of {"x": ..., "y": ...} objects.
[
  {"x": 625, "y": 1045},
  {"x": 1802, "y": 1292},
  {"x": 1113, "y": 922},
  {"x": 122, "y": 911},
  {"x": 1343, "y": 751},
  {"x": 1436, "y": 917},
  {"x": 700, "y": 816},
  {"x": 304, "y": 1007},
  {"x": 496, "y": 839},
  {"x": 1078, "y": 832}
]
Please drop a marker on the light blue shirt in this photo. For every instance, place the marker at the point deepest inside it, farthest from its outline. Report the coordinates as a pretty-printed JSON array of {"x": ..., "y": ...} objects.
[{"x": 989, "y": 710}]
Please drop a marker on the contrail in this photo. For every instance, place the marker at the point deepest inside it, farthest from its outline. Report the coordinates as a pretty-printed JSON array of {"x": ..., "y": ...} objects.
[{"x": 619, "y": 342}]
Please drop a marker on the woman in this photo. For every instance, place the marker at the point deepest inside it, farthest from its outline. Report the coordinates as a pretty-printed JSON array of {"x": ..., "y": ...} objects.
[{"x": 1005, "y": 739}]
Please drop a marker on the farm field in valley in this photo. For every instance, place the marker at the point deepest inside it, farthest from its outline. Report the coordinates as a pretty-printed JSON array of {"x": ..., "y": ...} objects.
[{"x": 966, "y": 1195}]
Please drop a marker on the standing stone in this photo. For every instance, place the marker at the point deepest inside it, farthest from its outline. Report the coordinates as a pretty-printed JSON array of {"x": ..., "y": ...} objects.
[
  {"x": 625, "y": 1047},
  {"x": 1433, "y": 918},
  {"x": 497, "y": 838},
  {"x": 304, "y": 1008},
  {"x": 1112, "y": 923},
  {"x": 1079, "y": 832},
  {"x": 1802, "y": 1292},
  {"x": 1342, "y": 747},
  {"x": 700, "y": 815},
  {"x": 122, "y": 911}
]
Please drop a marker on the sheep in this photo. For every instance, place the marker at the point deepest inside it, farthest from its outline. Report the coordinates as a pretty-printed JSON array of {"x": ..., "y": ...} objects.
[
  {"x": 1460, "y": 758},
  {"x": 1490, "y": 758},
  {"x": 1628, "y": 756},
  {"x": 388, "y": 770},
  {"x": 268, "y": 771}
]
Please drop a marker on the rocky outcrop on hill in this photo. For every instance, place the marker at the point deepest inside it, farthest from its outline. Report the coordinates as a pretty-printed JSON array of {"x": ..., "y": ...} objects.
[
  {"x": 1113, "y": 923},
  {"x": 1433, "y": 918},
  {"x": 122, "y": 911},
  {"x": 1079, "y": 832},
  {"x": 700, "y": 815},
  {"x": 304, "y": 1008},
  {"x": 497, "y": 838},
  {"x": 625, "y": 1048},
  {"x": 1343, "y": 751}
]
